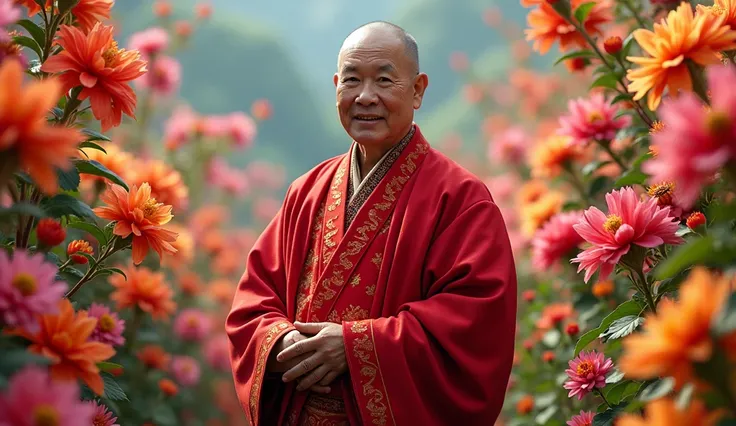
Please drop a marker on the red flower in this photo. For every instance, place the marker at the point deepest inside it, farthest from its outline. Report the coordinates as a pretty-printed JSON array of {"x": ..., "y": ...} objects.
[{"x": 49, "y": 232}]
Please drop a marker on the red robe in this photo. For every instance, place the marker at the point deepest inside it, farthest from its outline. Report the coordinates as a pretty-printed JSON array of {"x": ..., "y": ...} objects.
[{"x": 422, "y": 280}]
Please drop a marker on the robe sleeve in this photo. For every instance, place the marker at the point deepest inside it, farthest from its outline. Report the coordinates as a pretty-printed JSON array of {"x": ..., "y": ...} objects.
[
  {"x": 445, "y": 359},
  {"x": 258, "y": 319}
]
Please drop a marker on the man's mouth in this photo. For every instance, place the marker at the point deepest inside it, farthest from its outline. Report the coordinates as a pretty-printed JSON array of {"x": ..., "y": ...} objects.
[{"x": 367, "y": 117}]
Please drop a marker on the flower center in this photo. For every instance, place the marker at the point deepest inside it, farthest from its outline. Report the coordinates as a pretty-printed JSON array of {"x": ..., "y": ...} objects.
[
  {"x": 662, "y": 192},
  {"x": 192, "y": 322},
  {"x": 45, "y": 415},
  {"x": 111, "y": 54},
  {"x": 612, "y": 223},
  {"x": 99, "y": 420},
  {"x": 61, "y": 341},
  {"x": 25, "y": 283},
  {"x": 585, "y": 368},
  {"x": 717, "y": 10},
  {"x": 718, "y": 123},
  {"x": 595, "y": 116},
  {"x": 150, "y": 207},
  {"x": 106, "y": 323},
  {"x": 657, "y": 127}
]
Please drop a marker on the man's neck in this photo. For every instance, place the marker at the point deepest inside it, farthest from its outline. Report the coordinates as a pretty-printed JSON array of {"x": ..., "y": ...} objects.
[{"x": 370, "y": 155}]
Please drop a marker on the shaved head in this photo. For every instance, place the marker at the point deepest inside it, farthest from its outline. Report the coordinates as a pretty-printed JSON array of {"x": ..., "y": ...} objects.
[{"x": 371, "y": 31}]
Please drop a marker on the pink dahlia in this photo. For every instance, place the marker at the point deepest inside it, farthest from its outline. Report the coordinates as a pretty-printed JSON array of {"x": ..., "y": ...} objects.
[
  {"x": 180, "y": 127},
  {"x": 556, "y": 239},
  {"x": 629, "y": 221},
  {"x": 32, "y": 398},
  {"x": 262, "y": 173},
  {"x": 585, "y": 418},
  {"x": 503, "y": 186},
  {"x": 109, "y": 329},
  {"x": 265, "y": 208},
  {"x": 696, "y": 141},
  {"x": 591, "y": 120},
  {"x": 8, "y": 15},
  {"x": 217, "y": 353},
  {"x": 163, "y": 77},
  {"x": 28, "y": 287},
  {"x": 149, "y": 42},
  {"x": 587, "y": 372},
  {"x": 229, "y": 179},
  {"x": 192, "y": 325},
  {"x": 509, "y": 147},
  {"x": 185, "y": 370},
  {"x": 237, "y": 126},
  {"x": 103, "y": 416}
]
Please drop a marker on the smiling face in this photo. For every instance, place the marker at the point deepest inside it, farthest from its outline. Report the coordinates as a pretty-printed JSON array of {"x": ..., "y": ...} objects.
[{"x": 378, "y": 87}]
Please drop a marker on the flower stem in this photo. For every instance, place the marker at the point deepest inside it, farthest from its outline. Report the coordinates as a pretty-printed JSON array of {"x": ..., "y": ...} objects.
[
  {"x": 575, "y": 181},
  {"x": 627, "y": 4},
  {"x": 646, "y": 290},
  {"x": 135, "y": 326},
  {"x": 699, "y": 86},
  {"x": 598, "y": 391},
  {"x": 93, "y": 269},
  {"x": 606, "y": 145}
]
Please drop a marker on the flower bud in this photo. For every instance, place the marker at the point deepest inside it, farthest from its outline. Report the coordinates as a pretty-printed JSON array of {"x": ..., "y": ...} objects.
[
  {"x": 695, "y": 220},
  {"x": 50, "y": 233},
  {"x": 75, "y": 247},
  {"x": 572, "y": 329},
  {"x": 529, "y": 295},
  {"x": 548, "y": 356},
  {"x": 613, "y": 45}
]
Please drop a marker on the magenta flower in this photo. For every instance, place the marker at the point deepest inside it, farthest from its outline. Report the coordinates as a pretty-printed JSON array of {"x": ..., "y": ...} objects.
[
  {"x": 163, "y": 77},
  {"x": 629, "y": 221},
  {"x": 695, "y": 142},
  {"x": 587, "y": 372},
  {"x": 217, "y": 353},
  {"x": 103, "y": 416},
  {"x": 32, "y": 398},
  {"x": 9, "y": 14},
  {"x": 585, "y": 418},
  {"x": 28, "y": 287},
  {"x": 185, "y": 370},
  {"x": 509, "y": 147},
  {"x": 591, "y": 120},
  {"x": 192, "y": 325},
  {"x": 109, "y": 329},
  {"x": 149, "y": 42},
  {"x": 556, "y": 239}
]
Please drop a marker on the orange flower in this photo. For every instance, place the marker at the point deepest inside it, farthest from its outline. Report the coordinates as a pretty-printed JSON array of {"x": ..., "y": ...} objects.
[
  {"x": 116, "y": 160},
  {"x": 680, "y": 37},
  {"x": 64, "y": 339},
  {"x": 139, "y": 214},
  {"x": 155, "y": 357},
  {"x": 603, "y": 289},
  {"x": 33, "y": 7},
  {"x": 547, "y": 26},
  {"x": 184, "y": 246},
  {"x": 679, "y": 334},
  {"x": 208, "y": 216},
  {"x": 221, "y": 291},
  {"x": 90, "y": 12},
  {"x": 95, "y": 62},
  {"x": 525, "y": 405},
  {"x": 26, "y": 140},
  {"x": 168, "y": 387},
  {"x": 536, "y": 214},
  {"x": 166, "y": 183},
  {"x": 228, "y": 261},
  {"x": 722, "y": 7},
  {"x": 552, "y": 156},
  {"x": 531, "y": 191},
  {"x": 664, "y": 412},
  {"x": 145, "y": 289}
]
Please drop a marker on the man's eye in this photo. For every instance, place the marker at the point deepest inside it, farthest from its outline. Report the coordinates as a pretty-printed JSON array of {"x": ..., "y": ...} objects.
[
  {"x": 384, "y": 79},
  {"x": 349, "y": 79}
]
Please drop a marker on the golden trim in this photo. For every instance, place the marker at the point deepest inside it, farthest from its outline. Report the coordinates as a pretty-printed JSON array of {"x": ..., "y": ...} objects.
[
  {"x": 364, "y": 350},
  {"x": 264, "y": 350},
  {"x": 380, "y": 372}
]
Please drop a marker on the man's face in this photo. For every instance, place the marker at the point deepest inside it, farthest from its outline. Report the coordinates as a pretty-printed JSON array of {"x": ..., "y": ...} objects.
[{"x": 377, "y": 89}]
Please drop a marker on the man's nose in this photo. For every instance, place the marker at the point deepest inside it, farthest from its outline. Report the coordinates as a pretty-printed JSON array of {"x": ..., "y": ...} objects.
[{"x": 367, "y": 96}]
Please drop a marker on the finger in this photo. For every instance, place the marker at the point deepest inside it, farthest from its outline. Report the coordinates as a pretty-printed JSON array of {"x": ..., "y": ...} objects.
[
  {"x": 298, "y": 348},
  {"x": 312, "y": 378},
  {"x": 321, "y": 389},
  {"x": 310, "y": 327},
  {"x": 329, "y": 377},
  {"x": 303, "y": 368}
]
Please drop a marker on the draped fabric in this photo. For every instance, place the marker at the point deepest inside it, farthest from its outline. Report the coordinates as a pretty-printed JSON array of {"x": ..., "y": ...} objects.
[{"x": 419, "y": 272}]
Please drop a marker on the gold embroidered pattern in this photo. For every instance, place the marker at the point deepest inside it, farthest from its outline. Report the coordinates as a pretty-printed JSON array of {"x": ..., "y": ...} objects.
[
  {"x": 323, "y": 411},
  {"x": 364, "y": 351},
  {"x": 354, "y": 313},
  {"x": 355, "y": 281},
  {"x": 370, "y": 290},
  {"x": 255, "y": 389},
  {"x": 377, "y": 259},
  {"x": 309, "y": 269}
]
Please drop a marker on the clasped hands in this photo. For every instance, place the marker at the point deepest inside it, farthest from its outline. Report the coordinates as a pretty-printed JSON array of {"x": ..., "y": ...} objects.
[{"x": 313, "y": 354}]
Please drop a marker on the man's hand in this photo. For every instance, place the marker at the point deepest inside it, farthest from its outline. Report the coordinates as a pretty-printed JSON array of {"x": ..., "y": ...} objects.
[
  {"x": 327, "y": 359},
  {"x": 287, "y": 340}
]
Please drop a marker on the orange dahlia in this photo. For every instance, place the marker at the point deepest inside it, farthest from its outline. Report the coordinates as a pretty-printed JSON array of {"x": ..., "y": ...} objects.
[
  {"x": 536, "y": 214},
  {"x": 95, "y": 62},
  {"x": 167, "y": 185},
  {"x": 681, "y": 36},
  {"x": 722, "y": 7},
  {"x": 550, "y": 157},
  {"x": 184, "y": 246},
  {"x": 547, "y": 26},
  {"x": 665, "y": 412},
  {"x": 145, "y": 289},
  {"x": 63, "y": 338},
  {"x": 90, "y": 12},
  {"x": 137, "y": 213},
  {"x": 26, "y": 140}
]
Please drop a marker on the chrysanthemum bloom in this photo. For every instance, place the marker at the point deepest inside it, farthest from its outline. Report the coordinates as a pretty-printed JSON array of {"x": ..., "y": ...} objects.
[
  {"x": 546, "y": 26},
  {"x": 682, "y": 36},
  {"x": 95, "y": 62},
  {"x": 535, "y": 215},
  {"x": 592, "y": 119},
  {"x": 168, "y": 387},
  {"x": 27, "y": 142},
  {"x": 186, "y": 370},
  {"x": 629, "y": 222},
  {"x": 167, "y": 184},
  {"x": 666, "y": 196},
  {"x": 102, "y": 415},
  {"x": 587, "y": 372},
  {"x": 585, "y": 418},
  {"x": 76, "y": 247},
  {"x": 679, "y": 334},
  {"x": 261, "y": 109},
  {"x": 150, "y": 41},
  {"x": 145, "y": 289},
  {"x": 217, "y": 353},
  {"x": 603, "y": 289},
  {"x": 109, "y": 327},
  {"x": 727, "y": 8},
  {"x": 33, "y": 7},
  {"x": 555, "y": 239},
  {"x": 63, "y": 338},
  {"x": 665, "y": 412},
  {"x": 531, "y": 191},
  {"x": 572, "y": 329},
  {"x": 509, "y": 147},
  {"x": 49, "y": 232},
  {"x": 696, "y": 141},
  {"x": 9, "y": 14},
  {"x": 192, "y": 324},
  {"x": 9, "y": 49},
  {"x": 163, "y": 78},
  {"x": 221, "y": 291},
  {"x": 115, "y": 159},
  {"x": 189, "y": 283},
  {"x": 89, "y": 12},
  {"x": 228, "y": 261},
  {"x": 137, "y": 213},
  {"x": 550, "y": 157},
  {"x": 28, "y": 287},
  {"x": 154, "y": 357},
  {"x": 32, "y": 398}
]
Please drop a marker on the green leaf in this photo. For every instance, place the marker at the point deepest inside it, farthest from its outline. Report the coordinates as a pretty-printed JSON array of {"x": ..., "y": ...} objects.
[
  {"x": 606, "y": 80},
  {"x": 627, "y": 97},
  {"x": 68, "y": 179},
  {"x": 92, "y": 229},
  {"x": 94, "y": 136},
  {"x": 65, "y": 205},
  {"x": 113, "y": 390},
  {"x": 579, "y": 54},
  {"x": 90, "y": 144},
  {"x": 725, "y": 321},
  {"x": 29, "y": 43},
  {"x": 644, "y": 157},
  {"x": 684, "y": 256},
  {"x": 116, "y": 271},
  {"x": 620, "y": 391},
  {"x": 599, "y": 183},
  {"x": 572, "y": 205},
  {"x": 545, "y": 400},
  {"x": 582, "y": 12},
  {"x": 34, "y": 30},
  {"x": 622, "y": 327},
  {"x": 614, "y": 377},
  {"x": 657, "y": 389},
  {"x": 22, "y": 208},
  {"x": 108, "y": 366},
  {"x": 72, "y": 275},
  {"x": 670, "y": 284},
  {"x": 591, "y": 167},
  {"x": 15, "y": 359},
  {"x": 727, "y": 422},
  {"x": 628, "y": 44},
  {"x": 92, "y": 167},
  {"x": 164, "y": 415},
  {"x": 684, "y": 397},
  {"x": 627, "y": 308},
  {"x": 632, "y": 177},
  {"x": 57, "y": 112},
  {"x": 608, "y": 417},
  {"x": 545, "y": 415}
]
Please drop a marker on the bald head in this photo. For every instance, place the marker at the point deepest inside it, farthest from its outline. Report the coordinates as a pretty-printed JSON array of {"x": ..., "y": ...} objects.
[{"x": 379, "y": 32}]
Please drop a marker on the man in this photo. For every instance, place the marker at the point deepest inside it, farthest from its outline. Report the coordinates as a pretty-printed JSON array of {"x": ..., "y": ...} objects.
[{"x": 384, "y": 291}]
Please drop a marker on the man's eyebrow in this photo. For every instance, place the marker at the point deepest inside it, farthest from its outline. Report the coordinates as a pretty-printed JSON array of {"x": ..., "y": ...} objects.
[
  {"x": 349, "y": 68},
  {"x": 387, "y": 68}
]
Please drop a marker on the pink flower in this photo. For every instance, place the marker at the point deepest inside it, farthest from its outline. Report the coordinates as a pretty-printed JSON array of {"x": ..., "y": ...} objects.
[
  {"x": 592, "y": 120},
  {"x": 33, "y": 399},
  {"x": 28, "y": 287},
  {"x": 192, "y": 325},
  {"x": 109, "y": 329},
  {"x": 629, "y": 221},
  {"x": 231, "y": 180},
  {"x": 180, "y": 127},
  {"x": 149, "y": 42},
  {"x": 103, "y": 416},
  {"x": 217, "y": 353},
  {"x": 268, "y": 175},
  {"x": 265, "y": 208},
  {"x": 503, "y": 187},
  {"x": 587, "y": 372},
  {"x": 585, "y": 418},
  {"x": 695, "y": 142},
  {"x": 185, "y": 370},
  {"x": 509, "y": 147},
  {"x": 237, "y": 126},
  {"x": 556, "y": 239},
  {"x": 163, "y": 77},
  {"x": 9, "y": 14}
]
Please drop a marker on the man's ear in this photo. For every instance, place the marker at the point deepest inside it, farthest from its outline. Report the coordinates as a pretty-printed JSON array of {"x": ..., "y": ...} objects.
[
  {"x": 421, "y": 81},
  {"x": 334, "y": 79}
]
